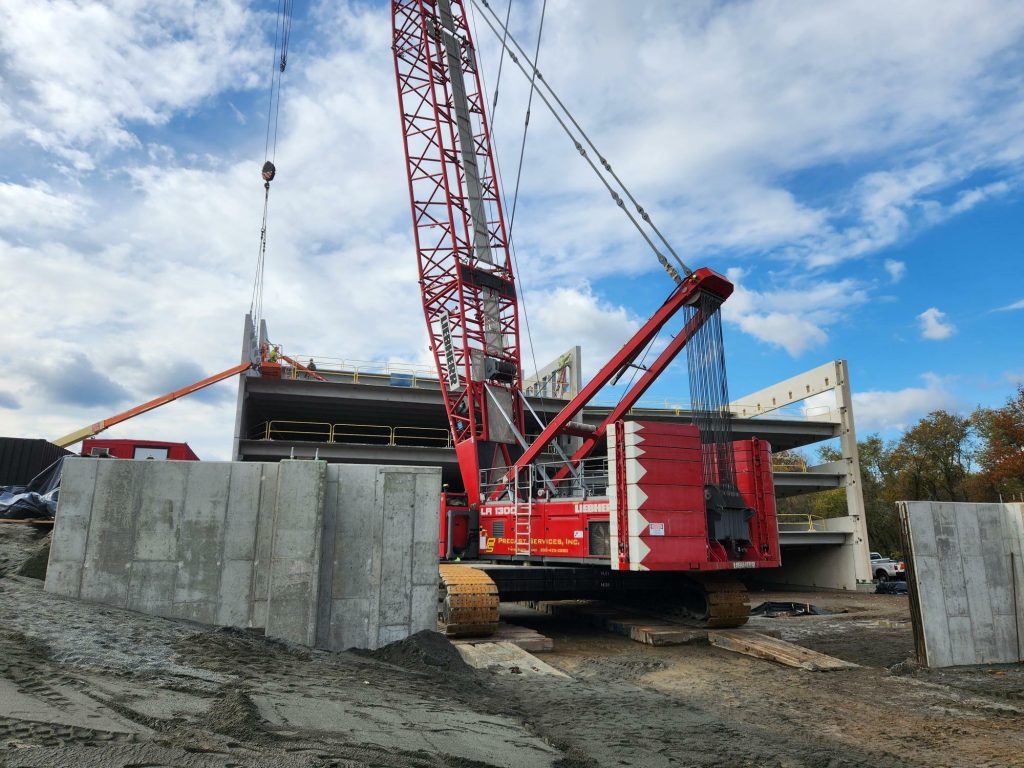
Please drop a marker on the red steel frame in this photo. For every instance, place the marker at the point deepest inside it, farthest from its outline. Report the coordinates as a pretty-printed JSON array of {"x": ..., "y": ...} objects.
[{"x": 443, "y": 228}]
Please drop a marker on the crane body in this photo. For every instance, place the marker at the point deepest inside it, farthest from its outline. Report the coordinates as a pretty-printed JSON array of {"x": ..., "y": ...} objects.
[{"x": 638, "y": 505}]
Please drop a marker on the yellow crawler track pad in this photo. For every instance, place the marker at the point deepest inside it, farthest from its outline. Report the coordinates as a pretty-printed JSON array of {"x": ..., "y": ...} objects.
[
  {"x": 728, "y": 604},
  {"x": 467, "y": 603}
]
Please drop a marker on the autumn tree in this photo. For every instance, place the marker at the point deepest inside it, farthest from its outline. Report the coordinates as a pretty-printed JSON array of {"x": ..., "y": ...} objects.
[
  {"x": 932, "y": 461},
  {"x": 1001, "y": 451}
]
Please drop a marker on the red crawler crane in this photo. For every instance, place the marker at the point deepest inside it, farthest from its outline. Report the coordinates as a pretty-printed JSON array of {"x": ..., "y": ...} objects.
[{"x": 668, "y": 499}]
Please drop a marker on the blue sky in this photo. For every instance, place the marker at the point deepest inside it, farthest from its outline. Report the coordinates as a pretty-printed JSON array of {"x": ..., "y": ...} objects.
[{"x": 857, "y": 170}]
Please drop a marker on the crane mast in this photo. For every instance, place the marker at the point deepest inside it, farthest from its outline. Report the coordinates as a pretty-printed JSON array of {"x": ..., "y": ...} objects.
[{"x": 465, "y": 272}]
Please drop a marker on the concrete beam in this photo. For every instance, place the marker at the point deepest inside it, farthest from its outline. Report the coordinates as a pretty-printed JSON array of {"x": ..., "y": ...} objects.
[{"x": 824, "y": 378}]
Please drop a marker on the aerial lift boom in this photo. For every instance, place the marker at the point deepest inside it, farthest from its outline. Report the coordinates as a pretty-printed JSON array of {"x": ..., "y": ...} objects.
[{"x": 94, "y": 429}]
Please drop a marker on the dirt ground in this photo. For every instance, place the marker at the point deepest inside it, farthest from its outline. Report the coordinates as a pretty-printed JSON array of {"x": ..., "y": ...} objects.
[{"x": 88, "y": 685}]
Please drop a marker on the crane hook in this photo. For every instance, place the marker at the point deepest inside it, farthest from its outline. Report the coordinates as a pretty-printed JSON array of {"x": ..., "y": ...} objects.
[{"x": 269, "y": 171}]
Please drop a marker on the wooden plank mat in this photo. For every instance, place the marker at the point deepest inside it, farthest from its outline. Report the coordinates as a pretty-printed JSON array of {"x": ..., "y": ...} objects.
[
  {"x": 505, "y": 658},
  {"x": 528, "y": 639},
  {"x": 762, "y": 646},
  {"x": 636, "y": 625},
  {"x": 18, "y": 521}
]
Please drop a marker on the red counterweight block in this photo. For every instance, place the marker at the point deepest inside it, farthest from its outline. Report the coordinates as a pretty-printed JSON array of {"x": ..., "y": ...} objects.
[
  {"x": 656, "y": 484},
  {"x": 755, "y": 482},
  {"x": 658, "y": 518}
]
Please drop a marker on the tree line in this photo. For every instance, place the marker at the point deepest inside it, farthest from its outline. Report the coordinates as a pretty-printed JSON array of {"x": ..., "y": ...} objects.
[{"x": 944, "y": 457}]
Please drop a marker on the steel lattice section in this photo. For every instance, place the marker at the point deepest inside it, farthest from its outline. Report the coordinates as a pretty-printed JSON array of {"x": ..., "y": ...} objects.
[{"x": 441, "y": 207}]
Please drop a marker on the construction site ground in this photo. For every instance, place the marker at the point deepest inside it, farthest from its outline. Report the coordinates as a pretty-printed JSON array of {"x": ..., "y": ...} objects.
[{"x": 88, "y": 685}]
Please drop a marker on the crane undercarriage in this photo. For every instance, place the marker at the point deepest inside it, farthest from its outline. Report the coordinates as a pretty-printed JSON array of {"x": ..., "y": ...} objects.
[{"x": 469, "y": 594}]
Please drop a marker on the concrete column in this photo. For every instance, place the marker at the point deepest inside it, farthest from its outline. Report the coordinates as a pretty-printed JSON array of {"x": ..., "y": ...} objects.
[{"x": 852, "y": 479}]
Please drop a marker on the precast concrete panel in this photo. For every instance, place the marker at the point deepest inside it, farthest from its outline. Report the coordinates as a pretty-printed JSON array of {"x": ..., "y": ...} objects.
[
  {"x": 337, "y": 557},
  {"x": 171, "y": 539},
  {"x": 379, "y": 570},
  {"x": 295, "y": 555},
  {"x": 963, "y": 562}
]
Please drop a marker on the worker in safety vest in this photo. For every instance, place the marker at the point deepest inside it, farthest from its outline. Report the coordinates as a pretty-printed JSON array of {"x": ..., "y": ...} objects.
[
  {"x": 311, "y": 365},
  {"x": 275, "y": 353}
]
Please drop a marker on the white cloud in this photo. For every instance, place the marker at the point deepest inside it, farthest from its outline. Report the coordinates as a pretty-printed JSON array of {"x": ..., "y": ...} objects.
[
  {"x": 79, "y": 74},
  {"x": 789, "y": 331},
  {"x": 33, "y": 206},
  {"x": 792, "y": 318},
  {"x": 896, "y": 269},
  {"x": 138, "y": 91},
  {"x": 934, "y": 325},
  {"x": 896, "y": 409},
  {"x": 1011, "y": 307},
  {"x": 563, "y": 317},
  {"x": 971, "y": 197},
  {"x": 779, "y": 91}
]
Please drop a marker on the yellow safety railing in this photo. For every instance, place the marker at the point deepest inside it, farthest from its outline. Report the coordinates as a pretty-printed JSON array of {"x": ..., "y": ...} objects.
[
  {"x": 373, "y": 434},
  {"x": 799, "y": 521},
  {"x": 789, "y": 463},
  {"x": 365, "y": 434},
  {"x": 315, "y": 431},
  {"x": 442, "y": 438}
]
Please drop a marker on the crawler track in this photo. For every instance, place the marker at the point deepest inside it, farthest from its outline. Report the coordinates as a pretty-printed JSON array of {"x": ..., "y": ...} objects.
[
  {"x": 725, "y": 602},
  {"x": 467, "y": 602}
]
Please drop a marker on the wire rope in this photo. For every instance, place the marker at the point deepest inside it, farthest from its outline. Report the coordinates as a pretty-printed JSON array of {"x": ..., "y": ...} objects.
[
  {"x": 501, "y": 61},
  {"x": 508, "y": 42},
  {"x": 516, "y": 272},
  {"x": 279, "y": 62}
]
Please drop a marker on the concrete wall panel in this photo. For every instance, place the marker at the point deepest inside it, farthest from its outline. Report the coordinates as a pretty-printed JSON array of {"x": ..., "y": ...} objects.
[
  {"x": 108, "y": 555},
  {"x": 71, "y": 528},
  {"x": 159, "y": 513},
  {"x": 264, "y": 543},
  {"x": 970, "y": 602},
  {"x": 380, "y": 568},
  {"x": 295, "y": 555},
  {"x": 338, "y": 557}
]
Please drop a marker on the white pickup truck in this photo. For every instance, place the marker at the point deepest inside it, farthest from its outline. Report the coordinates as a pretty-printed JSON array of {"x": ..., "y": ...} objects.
[{"x": 887, "y": 569}]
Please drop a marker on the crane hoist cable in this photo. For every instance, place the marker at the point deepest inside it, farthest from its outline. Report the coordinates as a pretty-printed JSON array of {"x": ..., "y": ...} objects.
[
  {"x": 526, "y": 121},
  {"x": 501, "y": 60},
  {"x": 564, "y": 116},
  {"x": 282, "y": 38}
]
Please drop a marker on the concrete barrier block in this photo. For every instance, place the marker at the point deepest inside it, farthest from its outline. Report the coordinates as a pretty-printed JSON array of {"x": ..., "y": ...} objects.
[
  {"x": 341, "y": 557},
  {"x": 423, "y": 612},
  {"x": 384, "y": 540},
  {"x": 962, "y": 558},
  {"x": 424, "y": 563},
  {"x": 392, "y": 634},
  {"x": 111, "y": 535},
  {"x": 350, "y": 625},
  {"x": 326, "y": 581},
  {"x": 64, "y": 578},
  {"x": 398, "y": 500},
  {"x": 264, "y": 542},
  {"x": 427, "y": 505},
  {"x": 201, "y": 533},
  {"x": 358, "y": 523}
]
